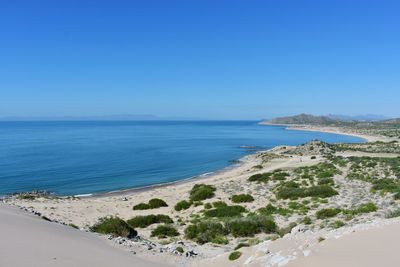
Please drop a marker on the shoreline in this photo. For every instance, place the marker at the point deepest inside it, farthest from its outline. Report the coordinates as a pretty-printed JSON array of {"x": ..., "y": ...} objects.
[
  {"x": 239, "y": 163},
  {"x": 86, "y": 211},
  {"x": 209, "y": 175}
]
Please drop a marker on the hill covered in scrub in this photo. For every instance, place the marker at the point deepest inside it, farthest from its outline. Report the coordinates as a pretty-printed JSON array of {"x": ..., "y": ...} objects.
[
  {"x": 329, "y": 120},
  {"x": 303, "y": 119},
  {"x": 387, "y": 127}
]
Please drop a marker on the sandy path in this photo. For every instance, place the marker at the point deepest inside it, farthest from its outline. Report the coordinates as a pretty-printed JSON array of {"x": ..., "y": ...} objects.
[{"x": 27, "y": 240}]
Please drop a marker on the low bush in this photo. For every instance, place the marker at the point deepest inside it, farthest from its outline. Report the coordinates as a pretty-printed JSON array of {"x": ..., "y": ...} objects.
[
  {"x": 145, "y": 221},
  {"x": 235, "y": 255},
  {"x": 323, "y": 191},
  {"x": 249, "y": 226},
  {"x": 363, "y": 208},
  {"x": 279, "y": 175},
  {"x": 163, "y": 231},
  {"x": 218, "y": 204},
  {"x": 326, "y": 181},
  {"x": 241, "y": 245},
  {"x": 242, "y": 198},
  {"x": 142, "y": 206},
  {"x": 327, "y": 213},
  {"x": 307, "y": 220},
  {"x": 180, "y": 249},
  {"x": 386, "y": 185},
  {"x": 73, "y": 226},
  {"x": 153, "y": 204},
  {"x": 208, "y": 206},
  {"x": 338, "y": 224},
  {"x": 114, "y": 226},
  {"x": 206, "y": 231},
  {"x": 260, "y": 177},
  {"x": 157, "y": 203},
  {"x": 225, "y": 211},
  {"x": 201, "y": 192},
  {"x": 182, "y": 205},
  {"x": 270, "y": 209}
]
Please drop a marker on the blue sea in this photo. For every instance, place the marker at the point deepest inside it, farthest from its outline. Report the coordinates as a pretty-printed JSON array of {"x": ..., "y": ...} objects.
[{"x": 83, "y": 157}]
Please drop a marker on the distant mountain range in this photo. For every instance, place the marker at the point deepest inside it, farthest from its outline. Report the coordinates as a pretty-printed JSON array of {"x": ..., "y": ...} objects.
[{"x": 331, "y": 120}]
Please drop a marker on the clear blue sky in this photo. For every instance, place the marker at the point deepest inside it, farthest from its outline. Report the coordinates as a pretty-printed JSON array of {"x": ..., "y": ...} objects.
[{"x": 205, "y": 59}]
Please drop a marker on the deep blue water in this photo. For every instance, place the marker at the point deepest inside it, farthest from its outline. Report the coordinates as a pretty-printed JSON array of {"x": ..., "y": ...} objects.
[{"x": 88, "y": 157}]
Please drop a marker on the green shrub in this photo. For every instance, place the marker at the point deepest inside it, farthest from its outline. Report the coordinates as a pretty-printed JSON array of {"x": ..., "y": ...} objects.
[
  {"x": 201, "y": 192},
  {"x": 270, "y": 209},
  {"x": 242, "y": 198},
  {"x": 163, "y": 231},
  {"x": 338, "y": 224},
  {"x": 249, "y": 226},
  {"x": 313, "y": 191},
  {"x": 180, "y": 249},
  {"x": 279, "y": 175},
  {"x": 327, "y": 213},
  {"x": 326, "y": 181},
  {"x": 363, "y": 208},
  {"x": 73, "y": 226},
  {"x": 218, "y": 204},
  {"x": 182, "y": 205},
  {"x": 206, "y": 231},
  {"x": 235, "y": 255},
  {"x": 144, "y": 221},
  {"x": 26, "y": 196},
  {"x": 114, "y": 226},
  {"x": 157, "y": 203},
  {"x": 260, "y": 177},
  {"x": 153, "y": 204},
  {"x": 386, "y": 185},
  {"x": 208, "y": 206},
  {"x": 225, "y": 211},
  {"x": 241, "y": 245},
  {"x": 307, "y": 220},
  {"x": 142, "y": 206}
]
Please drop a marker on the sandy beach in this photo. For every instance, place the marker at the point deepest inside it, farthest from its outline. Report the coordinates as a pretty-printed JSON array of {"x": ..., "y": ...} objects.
[{"x": 84, "y": 212}]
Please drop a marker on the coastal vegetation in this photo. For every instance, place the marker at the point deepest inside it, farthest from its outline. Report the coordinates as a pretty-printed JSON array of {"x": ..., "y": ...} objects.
[
  {"x": 114, "y": 226},
  {"x": 152, "y": 204},
  {"x": 201, "y": 192},
  {"x": 163, "y": 231},
  {"x": 242, "y": 198},
  {"x": 294, "y": 191},
  {"x": 340, "y": 187},
  {"x": 147, "y": 220},
  {"x": 182, "y": 205},
  {"x": 235, "y": 255}
]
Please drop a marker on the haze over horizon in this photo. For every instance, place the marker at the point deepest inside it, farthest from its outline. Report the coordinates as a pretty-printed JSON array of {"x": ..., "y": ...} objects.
[{"x": 207, "y": 60}]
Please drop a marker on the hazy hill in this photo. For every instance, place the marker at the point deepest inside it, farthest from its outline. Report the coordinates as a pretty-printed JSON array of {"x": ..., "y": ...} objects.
[
  {"x": 336, "y": 120},
  {"x": 302, "y": 119}
]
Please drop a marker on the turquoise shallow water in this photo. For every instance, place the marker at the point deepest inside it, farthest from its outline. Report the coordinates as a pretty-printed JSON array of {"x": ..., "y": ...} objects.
[{"x": 90, "y": 157}]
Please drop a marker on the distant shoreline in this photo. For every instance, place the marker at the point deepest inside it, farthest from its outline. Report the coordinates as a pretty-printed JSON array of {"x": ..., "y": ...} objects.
[{"x": 206, "y": 176}]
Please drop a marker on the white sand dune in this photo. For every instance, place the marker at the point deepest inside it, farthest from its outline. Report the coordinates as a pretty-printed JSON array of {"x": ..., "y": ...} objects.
[
  {"x": 27, "y": 240},
  {"x": 371, "y": 248}
]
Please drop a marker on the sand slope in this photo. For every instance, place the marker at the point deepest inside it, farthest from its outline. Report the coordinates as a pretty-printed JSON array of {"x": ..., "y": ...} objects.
[
  {"x": 371, "y": 248},
  {"x": 28, "y": 240}
]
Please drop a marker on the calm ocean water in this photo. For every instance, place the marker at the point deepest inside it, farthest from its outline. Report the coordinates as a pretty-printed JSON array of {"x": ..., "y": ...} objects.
[{"x": 89, "y": 157}]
